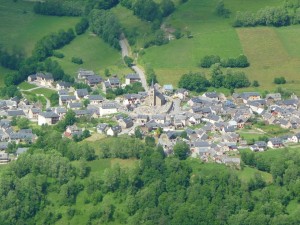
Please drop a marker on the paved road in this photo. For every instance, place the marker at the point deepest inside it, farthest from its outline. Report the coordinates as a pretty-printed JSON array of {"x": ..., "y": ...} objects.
[
  {"x": 142, "y": 75},
  {"x": 48, "y": 105},
  {"x": 126, "y": 52}
]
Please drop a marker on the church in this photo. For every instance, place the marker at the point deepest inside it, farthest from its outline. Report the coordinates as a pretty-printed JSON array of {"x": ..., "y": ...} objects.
[{"x": 155, "y": 97}]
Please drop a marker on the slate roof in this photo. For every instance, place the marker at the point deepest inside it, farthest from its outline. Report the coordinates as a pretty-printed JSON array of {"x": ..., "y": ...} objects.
[
  {"x": 49, "y": 114},
  {"x": 64, "y": 84},
  {"x": 133, "y": 76},
  {"x": 108, "y": 105},
  {"x": 63, "y": 92},
  {"x": 95, "y": 97},
  {"x": 82, "y": 92},
  {"x": 94, "y": 79},
  {"x": 114, "y": 81},
  {"x": 15, "y": 113}
]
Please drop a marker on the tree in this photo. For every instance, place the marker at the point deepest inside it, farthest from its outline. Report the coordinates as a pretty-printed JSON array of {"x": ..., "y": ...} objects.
[
  {"x": 150, "y": 141},
  {"x": 54, "y": 99},
  {"x": 137, "y": 133},
  {"x": 128, "y": 61},
  {"x": 70, "y": 118},
  {"x": 167, "y": 7},
  {"x": 147, "y": 10},
  {"x": 151, "y": 76},
  {"x": 279, "y": 80},
  {"x": 23, "y": 123},
  {"x": 217, "y": 77},
  {"x": 221, "y": 10},
  {"x": 106, "y": 72},
  {"x": 181, "y": 150},
  {"x": 194, "y": 82},
  {"x": 255, "y": 83},
  {"x": 81, "y": 26}
]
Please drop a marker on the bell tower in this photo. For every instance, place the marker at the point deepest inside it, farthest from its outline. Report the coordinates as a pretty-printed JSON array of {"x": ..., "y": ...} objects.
[{"x": 152, "y": 97}]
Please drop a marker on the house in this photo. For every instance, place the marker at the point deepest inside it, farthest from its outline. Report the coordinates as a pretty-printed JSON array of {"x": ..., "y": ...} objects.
[
  {"x": 63, "y": 92},
  {"x": 142, "y": 119},
  {"x": 3, "y": 145},
  {"x": 261, "y": 145},
  {"x": 181, "y": 93},
  {"x": 62, "y": 85},
  {"x": 13, "y": 113},
  {"x": 81, "y": 93},
  {"x": 250, "y": 96},
  {"x": 159, "y": 118},
  {"x": 93, "y": 80},
  {"x": 114, "y": 82},
  {"x": 31, "y": 78},
  {"x": 44, "y": 79},
  {"x": 33, "y": 113},
  {"x": 114, "y": 130},
  {"x": 94, "y": 99},
  {"x": 275, "y": 143},
  {"x": 81, "y": 112},
  {"x": 273, "y": 97},
  {"x": 180, "y": 121},
  {"x": 60, "y": 111},
  {"x": 73, "y": 130},
  {"x": 211, "y": 95},
  {"x": 285, "y": 124},
  {"x": 75, "y": 105},
  {"x": 48, "y": 117},
  {"x": 231, "y": 160},
  {"x": 84, "y": 74},
  {"x": 22, "y": 136},
  {"x": 168, "y": 88},
  {"x": 125, "y": 122},
  {"x": 4, "y": 157},
  {"x": 295, "y": 138},
  {"x": 66, "y": 99},
  {"x": 108, "y": 108},
  {"x": 101, "y": 128},
  {"x": 132, "y": 78},
  {"x": 200, "y": 149},
  {"x": 21, "y": 151},
  {"x": 130, "y": 99}
]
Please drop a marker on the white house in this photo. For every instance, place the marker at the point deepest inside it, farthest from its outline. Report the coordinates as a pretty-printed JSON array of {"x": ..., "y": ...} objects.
[
  {"x": 108, "y": 108},
  {"x": 48, "y": 117}
]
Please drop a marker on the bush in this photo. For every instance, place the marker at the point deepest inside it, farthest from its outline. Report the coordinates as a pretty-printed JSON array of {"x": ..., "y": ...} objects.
[
  {"x": 279, "y": 80},
  {"x": 58, "y": 55},
  {"x": 239, "y": 62},
  {"x": 76, "y": 60},
  {"x": 81, "y": 26}
]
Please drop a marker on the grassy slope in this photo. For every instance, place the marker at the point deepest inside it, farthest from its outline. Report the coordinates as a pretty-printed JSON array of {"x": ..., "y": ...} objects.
[
  {"x": 23, "y": 30},
  {"x": 272, "y": 51},
  {"x": 95, "y": 53},
  {"x": 130, "y": 22}
]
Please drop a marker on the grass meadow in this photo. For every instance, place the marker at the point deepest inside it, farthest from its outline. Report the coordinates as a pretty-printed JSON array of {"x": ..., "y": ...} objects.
[
  {"x": 272, "y": 52},
  {"x": 95, "y": 53},
  {"x": 20, "y": 28}
]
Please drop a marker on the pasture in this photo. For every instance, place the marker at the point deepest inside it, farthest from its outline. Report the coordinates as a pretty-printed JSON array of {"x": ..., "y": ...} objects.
[
  {"x": 272, "y": 52},
  {"x": 95, "y": 53},
  {"x": 20, "y": 28}
]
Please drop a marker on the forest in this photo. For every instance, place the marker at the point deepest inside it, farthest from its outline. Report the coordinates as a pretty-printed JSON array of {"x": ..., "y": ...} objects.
[{"x": 43, "y": 186}]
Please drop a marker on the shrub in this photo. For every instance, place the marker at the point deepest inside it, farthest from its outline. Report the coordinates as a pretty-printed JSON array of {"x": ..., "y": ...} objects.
[
  {"x": 279, "y": 80},
  {"x": 76, "y": 60},
  {"x": 58, "y": 55}
]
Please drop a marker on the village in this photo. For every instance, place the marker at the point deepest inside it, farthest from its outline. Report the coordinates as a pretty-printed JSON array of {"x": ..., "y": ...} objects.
[{"x": 212, "y": 124}]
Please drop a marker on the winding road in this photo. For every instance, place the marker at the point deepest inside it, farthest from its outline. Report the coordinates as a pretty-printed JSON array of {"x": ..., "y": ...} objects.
[{"x": 126, "y": 52}]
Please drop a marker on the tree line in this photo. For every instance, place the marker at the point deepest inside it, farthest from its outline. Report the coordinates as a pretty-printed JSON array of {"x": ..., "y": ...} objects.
[
  {"x": 286, "y": 14},
  {"x": 239, "y": 62},
  {"x": 60, "y": 8},
  {"x": 106, "y": 25},
  {"x": 228, "y": 79}
]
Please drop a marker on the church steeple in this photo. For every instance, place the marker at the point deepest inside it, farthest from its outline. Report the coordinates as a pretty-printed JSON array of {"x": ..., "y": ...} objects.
[{"x": 152, "y": 84}]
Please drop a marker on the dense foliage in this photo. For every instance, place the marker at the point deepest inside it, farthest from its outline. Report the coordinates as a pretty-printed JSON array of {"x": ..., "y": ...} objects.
[
  {"x": 81, "y": 26},
  {"x": 279, "y": 80},
  {"x": 59, "y": 8},
  {"x": 194, "y": 82},
  {"x": 286, "y": 14},
  {"x": 240, "y": 62},
  {"x": 106, "y": 25}
]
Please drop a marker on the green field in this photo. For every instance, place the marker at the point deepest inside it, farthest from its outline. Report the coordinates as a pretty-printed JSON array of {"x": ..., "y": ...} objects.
[
  {"x": 95, "y": 53},
  {"x": 272, "y": 52},
  {"x": 45, "y": 91},
  {"x": 26, "y": 86},
  {"x": 22, "y": 30}
]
